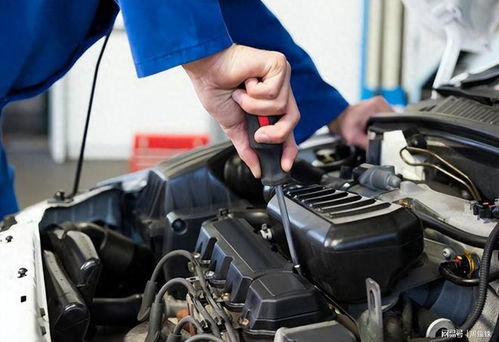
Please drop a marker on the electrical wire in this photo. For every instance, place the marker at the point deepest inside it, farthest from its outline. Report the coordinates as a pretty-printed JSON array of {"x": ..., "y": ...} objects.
[
  {"x": 447, "y": 274},
  {"x": 187, "y": 319},
  {"x": 450, "y": 230},
  {"x": 79, "y": 165},
  {"x": 206, "y": 315},
  {"x": 484, "y": 273},
  {"x": 170, "y": 283},
  {"x": 468, "y": 184},
  {"x": 168, "y": 256},
  {"x": 150, "y": 287},
  {"x": 204, "y": 286}
]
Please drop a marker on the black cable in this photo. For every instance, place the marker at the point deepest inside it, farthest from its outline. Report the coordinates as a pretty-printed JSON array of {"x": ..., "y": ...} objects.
[
  {"x": 451, "y": 231},
  {"x": 206, "y": 315},
  {"x": 151, "y": 288},
  {"x": 204, "y": 337},
  {"x": 484, "y": 280},
  {"x": 220, "y": 312},
  {"x": 79, "y": 166},
  {"x": 447, "y": 274},
  {"x": 166, "y": 257},
  {"x": 170, "y": 283},
  {"x": 192, "y": 292},
  {"x": 184, "y": 321},
  {"x": 482, "y": 287},
  {"x": 152, "y": 285}
]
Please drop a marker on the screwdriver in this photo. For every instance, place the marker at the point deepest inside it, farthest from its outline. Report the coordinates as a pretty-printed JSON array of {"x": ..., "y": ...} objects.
[{"x": 272, "y": 173}]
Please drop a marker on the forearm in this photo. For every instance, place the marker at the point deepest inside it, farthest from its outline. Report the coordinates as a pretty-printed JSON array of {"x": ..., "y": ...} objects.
[{"x": 165, "y": 34}]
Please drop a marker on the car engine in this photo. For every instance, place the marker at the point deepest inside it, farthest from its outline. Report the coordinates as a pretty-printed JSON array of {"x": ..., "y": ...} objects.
[{"x": 398, "y": 243}]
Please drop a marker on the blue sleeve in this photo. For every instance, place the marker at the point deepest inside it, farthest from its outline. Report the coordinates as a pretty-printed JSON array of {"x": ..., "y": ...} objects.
[
  {"x": 167, "y": 33},
  {"x": 251, "y": 23}
]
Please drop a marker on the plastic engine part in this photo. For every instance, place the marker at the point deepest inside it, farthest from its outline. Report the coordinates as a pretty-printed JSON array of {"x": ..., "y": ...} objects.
[
  {"x": 68, "y": 313},
  {"x": 258, "y": 280},
  {"x": 343, "y": 238},
  {"x": 80, "y": 259},
  {"x": 324, "y": 331},
  {"x": 283, "y": 300}
]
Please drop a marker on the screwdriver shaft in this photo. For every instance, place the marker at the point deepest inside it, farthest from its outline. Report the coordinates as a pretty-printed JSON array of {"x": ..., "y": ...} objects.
[{"x": 287, "y": 227}]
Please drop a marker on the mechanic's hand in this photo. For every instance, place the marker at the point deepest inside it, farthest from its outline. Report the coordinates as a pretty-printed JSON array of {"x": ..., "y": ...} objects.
[
  {"x": 265, "y": 75},
  {"x": 351, "y": 123}
]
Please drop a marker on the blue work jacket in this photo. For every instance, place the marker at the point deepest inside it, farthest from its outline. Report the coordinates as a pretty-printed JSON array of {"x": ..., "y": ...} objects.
[{"x": 41, "y": 39}]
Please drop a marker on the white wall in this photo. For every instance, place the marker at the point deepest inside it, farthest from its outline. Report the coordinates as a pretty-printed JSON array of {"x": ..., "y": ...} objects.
[{"x": 330, "y": 30}]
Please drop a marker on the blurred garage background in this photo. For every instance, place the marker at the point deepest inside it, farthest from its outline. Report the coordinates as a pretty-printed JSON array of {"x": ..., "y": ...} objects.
[{"x": 362, "y": 47}]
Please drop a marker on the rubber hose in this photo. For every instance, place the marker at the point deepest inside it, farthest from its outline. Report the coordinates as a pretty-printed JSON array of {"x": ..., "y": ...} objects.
[
  {"x": 451, "y": 231},
  {"x": 184, "y": 321},
  {"x": 450, "y": 276}
]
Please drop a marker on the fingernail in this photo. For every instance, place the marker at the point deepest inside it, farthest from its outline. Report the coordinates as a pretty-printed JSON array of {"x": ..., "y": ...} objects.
[
  {"x": 262, "y": 137},
  {"x": 286, "y": 165}
]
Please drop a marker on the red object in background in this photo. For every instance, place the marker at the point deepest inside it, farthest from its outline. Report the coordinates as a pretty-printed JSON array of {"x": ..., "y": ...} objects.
[{"x": 151, "y": 149}]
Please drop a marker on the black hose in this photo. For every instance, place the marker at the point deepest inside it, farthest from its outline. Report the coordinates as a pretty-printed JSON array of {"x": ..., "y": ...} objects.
[
  {"x": 407, "y": 315},
  {"x": 447, "y": 274},
  {"x": 451, "y": 231},
  {"x": 204, "y": 337},
  {"x": 170, "y": 283},
  {"x": 152, "y": 285},
  {"x": 484, "y": 279},
  {"x": 157, "y": 308},
  {"x": 184, "y": 321}
]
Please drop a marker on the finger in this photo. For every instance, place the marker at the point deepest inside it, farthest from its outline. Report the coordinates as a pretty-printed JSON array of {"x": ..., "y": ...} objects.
[
  {"x": 279, "y": 132},
  {"x": 250, "y": 158},
  {"x": 258, "y": 106},
  {"x": 240, "y": 140},
  {"x": 360, "y": 140},
  {"x": 270, "y": 87},
  {"x": 381, "y": 105},
  {"x": 262, "y": 64},
  {"x": 289, "y": 152}
]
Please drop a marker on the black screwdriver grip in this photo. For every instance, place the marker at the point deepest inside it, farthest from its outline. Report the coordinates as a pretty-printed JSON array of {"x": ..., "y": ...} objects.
[{"x": 269, "y": 154}]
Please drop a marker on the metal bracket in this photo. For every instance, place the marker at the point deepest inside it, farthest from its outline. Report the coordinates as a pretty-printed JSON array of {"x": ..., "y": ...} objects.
[{"x": 371, "y": 320}]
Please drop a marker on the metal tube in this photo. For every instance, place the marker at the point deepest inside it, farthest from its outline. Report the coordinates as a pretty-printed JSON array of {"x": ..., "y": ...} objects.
[{"x": 287, "y": 227}]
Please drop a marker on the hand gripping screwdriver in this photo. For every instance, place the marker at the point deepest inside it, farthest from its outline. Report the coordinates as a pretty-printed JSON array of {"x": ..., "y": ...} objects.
[{"x": 272, "y": 173}]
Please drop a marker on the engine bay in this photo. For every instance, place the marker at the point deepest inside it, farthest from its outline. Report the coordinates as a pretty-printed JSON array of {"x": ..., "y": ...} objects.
[{"x": 395, "y": 244}]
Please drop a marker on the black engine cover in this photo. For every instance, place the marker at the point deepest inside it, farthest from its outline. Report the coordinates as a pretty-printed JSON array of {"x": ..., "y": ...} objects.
[
  {"x": 343, "y": 238},
  {"x": 260, "y": 281}
]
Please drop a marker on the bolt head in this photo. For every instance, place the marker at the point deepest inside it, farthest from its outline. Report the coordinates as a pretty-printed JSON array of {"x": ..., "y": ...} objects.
[
  {"x": 448, "y": 253},
  {"x": 244, "y": 322}
]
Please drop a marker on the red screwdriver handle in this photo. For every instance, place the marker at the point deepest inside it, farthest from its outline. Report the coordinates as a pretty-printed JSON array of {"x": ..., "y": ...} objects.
[{"x": 269, "y": 154}]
